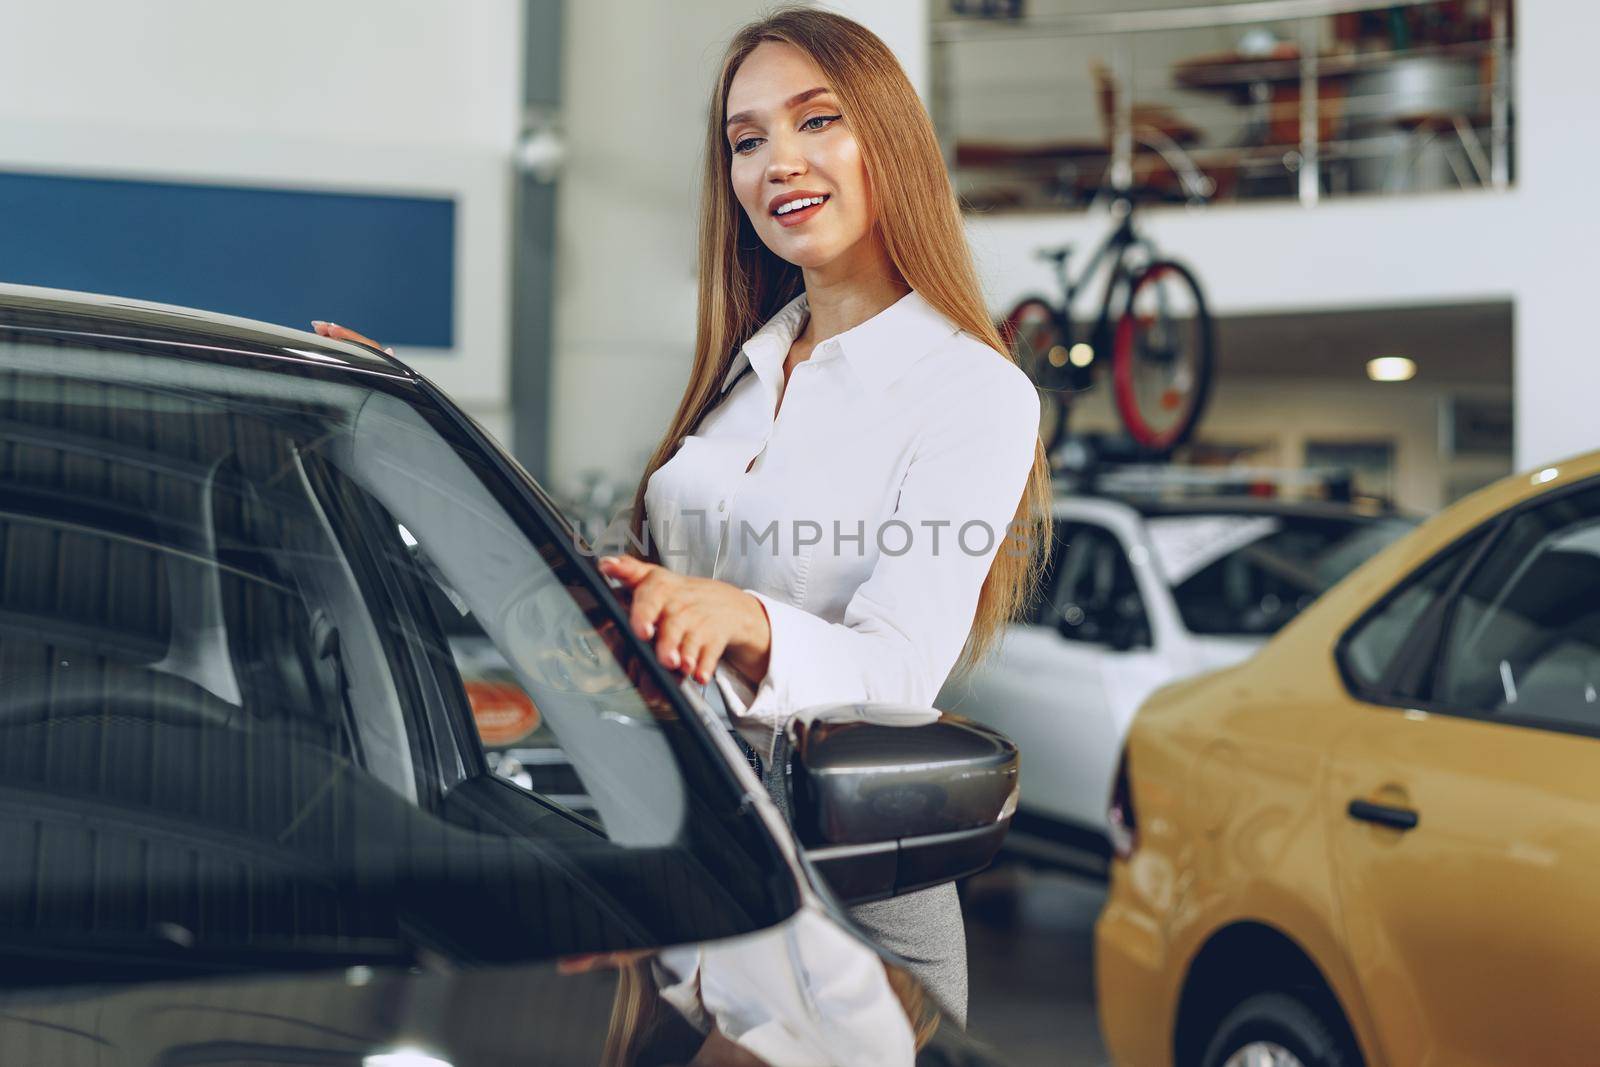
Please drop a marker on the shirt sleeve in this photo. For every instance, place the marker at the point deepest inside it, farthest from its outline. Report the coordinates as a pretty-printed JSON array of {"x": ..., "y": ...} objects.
[
  {"x": 806, "y": 994},
  {"x": 905, "y": 626}
]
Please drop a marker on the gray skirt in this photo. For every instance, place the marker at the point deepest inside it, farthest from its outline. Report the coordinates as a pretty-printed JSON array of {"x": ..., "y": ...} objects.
[{"x": 924, "y": 928}]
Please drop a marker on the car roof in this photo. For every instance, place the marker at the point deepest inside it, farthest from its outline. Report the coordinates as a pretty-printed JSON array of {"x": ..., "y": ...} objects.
[
  {"x": 125, "y": 324},
  {"x": 1079, "y": 503},
  {"x": 1524, "y": 485}
]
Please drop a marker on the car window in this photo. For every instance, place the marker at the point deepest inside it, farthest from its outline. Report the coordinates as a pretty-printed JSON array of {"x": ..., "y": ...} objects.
[
  {"x": 1040, "y": 611},
  {"x": 1370, "y": 649},
  {"x": 1251, "y": 574},
  {"x": 467, "y": 673},
  {"x": 1523, "y": 642},
  {"x": 517, "y": 740},
  {"x": 233, "y": 718},
  {"x": 1096, "y": 596}
]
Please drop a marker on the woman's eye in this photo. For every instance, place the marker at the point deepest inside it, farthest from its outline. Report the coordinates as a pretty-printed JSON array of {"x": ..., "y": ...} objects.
[{"x": 740, "y": 147}]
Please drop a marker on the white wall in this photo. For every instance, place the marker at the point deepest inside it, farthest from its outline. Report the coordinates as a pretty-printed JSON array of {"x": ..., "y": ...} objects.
[
  {"x": 903, "y": 25},
  {"x": 1531, "y": 244},
  {"x": 635, "y": 92},
  {"x": 381, "y": 96}
]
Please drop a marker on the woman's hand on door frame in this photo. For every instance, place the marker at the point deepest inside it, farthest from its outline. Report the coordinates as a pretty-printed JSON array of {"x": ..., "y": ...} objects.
[
  {"x": 336, "y": 332},
  {"x": 694, "y": 622}
]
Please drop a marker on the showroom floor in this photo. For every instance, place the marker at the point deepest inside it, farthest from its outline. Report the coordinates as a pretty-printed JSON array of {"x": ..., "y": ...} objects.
[{"x": 1030, "y": 944}]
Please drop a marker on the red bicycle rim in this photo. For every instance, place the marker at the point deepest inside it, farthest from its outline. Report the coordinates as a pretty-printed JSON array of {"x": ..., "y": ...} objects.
[{"x": 1122, "y": 377}]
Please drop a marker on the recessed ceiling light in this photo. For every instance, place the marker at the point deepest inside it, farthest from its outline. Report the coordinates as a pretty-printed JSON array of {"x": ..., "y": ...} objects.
[{"x": 1391, "y": 369}]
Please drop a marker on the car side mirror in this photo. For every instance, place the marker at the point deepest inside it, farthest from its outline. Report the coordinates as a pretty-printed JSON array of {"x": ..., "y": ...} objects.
[{"x": 889, "y": 799}]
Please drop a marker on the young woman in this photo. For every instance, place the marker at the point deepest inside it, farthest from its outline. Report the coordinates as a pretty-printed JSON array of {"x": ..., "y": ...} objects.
[
  {"x": 851, "y": 499},
  {"x": 852, "y": 495}
]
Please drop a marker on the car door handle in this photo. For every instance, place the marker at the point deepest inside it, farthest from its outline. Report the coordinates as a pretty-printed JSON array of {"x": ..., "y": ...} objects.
[{"x": 1383, "y": 814}]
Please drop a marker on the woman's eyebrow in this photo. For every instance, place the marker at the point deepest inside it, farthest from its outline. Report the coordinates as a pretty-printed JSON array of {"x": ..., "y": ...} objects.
[{"x": 793, "y": 102}]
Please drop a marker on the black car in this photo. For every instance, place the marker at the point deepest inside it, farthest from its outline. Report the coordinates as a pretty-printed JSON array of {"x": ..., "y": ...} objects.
[{"x": 246, "y": 813}]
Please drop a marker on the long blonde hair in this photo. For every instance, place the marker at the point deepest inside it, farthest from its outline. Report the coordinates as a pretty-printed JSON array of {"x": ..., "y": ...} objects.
[{"x": 743, "y": 283}]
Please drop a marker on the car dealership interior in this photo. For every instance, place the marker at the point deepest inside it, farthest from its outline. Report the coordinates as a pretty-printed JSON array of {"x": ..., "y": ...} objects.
[{"x": 339, "y": 337}]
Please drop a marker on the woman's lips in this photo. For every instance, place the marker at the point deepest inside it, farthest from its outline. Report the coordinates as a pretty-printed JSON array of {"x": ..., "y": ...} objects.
[{"x": 795, "y": 218}]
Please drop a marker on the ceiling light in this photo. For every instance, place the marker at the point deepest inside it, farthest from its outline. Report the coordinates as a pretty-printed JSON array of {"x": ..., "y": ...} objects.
[{"x": 1391, "y": 369}]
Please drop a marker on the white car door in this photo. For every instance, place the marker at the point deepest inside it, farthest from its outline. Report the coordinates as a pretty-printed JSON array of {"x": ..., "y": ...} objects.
[
  {"x": 1063, "y": 685},
  {"x": 1104, "y": 620}
]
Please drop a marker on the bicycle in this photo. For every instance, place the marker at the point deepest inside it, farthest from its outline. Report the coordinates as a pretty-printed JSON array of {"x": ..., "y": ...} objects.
[{"x": 1161, "y": 340}]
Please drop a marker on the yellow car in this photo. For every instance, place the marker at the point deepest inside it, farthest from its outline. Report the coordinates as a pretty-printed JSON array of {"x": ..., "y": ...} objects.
[{"x": 1378, "y": 841}]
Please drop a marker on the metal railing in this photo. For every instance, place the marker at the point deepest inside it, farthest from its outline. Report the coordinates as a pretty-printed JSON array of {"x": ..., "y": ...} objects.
[{"x": 1309, "y": 159}]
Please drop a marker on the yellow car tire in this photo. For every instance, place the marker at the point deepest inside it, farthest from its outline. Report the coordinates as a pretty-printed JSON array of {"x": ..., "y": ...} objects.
[{"x": 1283, "y": 1030}]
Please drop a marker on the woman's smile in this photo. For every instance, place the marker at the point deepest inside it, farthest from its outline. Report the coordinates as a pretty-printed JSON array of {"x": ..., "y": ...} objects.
[{"x": 787, "y": 216}]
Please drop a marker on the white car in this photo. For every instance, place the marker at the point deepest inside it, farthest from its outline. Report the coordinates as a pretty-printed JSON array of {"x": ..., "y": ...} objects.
[{"x": 1140, "y": 594}]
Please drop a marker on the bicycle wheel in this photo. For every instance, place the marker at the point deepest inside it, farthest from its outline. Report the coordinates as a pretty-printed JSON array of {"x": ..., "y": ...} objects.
[
  {"x": 1163, "y": 356},
  {"x": 1033, "y": 332}
]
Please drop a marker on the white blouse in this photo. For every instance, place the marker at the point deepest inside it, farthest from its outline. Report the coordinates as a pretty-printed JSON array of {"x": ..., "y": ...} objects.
[{"x": 864, "y": 512}]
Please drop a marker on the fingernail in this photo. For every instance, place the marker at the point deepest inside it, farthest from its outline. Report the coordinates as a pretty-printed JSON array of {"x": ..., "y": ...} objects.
[
  {"x": 672, "y": 659},
  {"x": 650, "y": 631},
  {"x": 608, "y": 559},
  {"x": 318, "y": 322},
  {"x": 389, "y": 350}
]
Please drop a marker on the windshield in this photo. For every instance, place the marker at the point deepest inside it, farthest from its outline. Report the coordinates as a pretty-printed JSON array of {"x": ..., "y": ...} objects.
[
  {"x": 264, "y": 640},
  {"x": 1249, "y": 574}
]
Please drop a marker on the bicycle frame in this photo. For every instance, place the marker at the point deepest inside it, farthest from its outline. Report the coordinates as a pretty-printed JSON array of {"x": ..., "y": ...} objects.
[
  {"x": 1116, "y": 335},
  {"x": 1116, "y": 246}
]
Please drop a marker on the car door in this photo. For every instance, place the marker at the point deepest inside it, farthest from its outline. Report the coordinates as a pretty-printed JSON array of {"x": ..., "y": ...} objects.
[{"x": 1465, "y": 797}]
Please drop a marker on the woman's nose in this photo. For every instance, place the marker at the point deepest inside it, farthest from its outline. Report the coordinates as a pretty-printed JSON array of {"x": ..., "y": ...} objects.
[{"x": 785, "y": 161}]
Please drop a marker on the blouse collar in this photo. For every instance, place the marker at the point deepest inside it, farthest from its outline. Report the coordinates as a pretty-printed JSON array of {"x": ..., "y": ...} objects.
[{"x": 879, "y": 350}]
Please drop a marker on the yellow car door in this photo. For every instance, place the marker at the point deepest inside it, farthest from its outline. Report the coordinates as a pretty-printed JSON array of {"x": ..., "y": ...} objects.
[{"x": 1465, "y": 797}]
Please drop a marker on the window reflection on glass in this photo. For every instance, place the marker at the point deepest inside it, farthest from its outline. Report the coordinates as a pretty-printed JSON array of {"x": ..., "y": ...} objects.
[
  {"x": 1524, "y": 642},
  {"x": 1251, "y": 574},
  {"x": 517, "y": 741}
]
